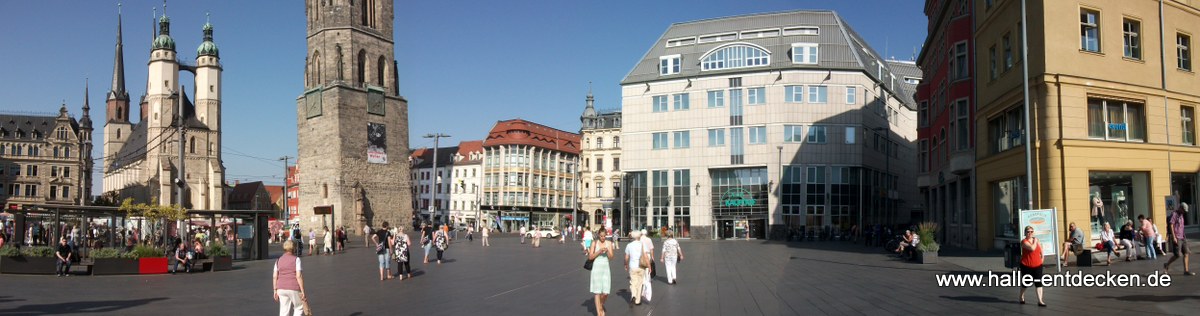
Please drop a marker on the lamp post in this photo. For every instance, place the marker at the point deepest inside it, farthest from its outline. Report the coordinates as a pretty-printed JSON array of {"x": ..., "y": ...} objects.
[
  {"x": 286, "y": 211},
  {"x": 437, "y": 137}
]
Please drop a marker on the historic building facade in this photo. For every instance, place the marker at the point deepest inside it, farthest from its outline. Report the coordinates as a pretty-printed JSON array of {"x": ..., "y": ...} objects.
[
  {"x": 431, "y": 194},
  {"x": 768, "y": 125},
  {"x": 352, "y": 122},
  {"x": 466, "y": 189},
  {"x": 46, "y": 159},
  {"x": 945, "y": 112},
  {"x": 1112, "y": 103},
  {"x": 600, "y": 175},
  {"x": 142, "y": 159},
  {"x": 529, "y": 174}
]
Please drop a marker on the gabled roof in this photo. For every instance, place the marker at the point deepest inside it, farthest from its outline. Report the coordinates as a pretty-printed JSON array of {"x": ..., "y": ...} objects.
[
  {"x": 423, "y": 157},
  {"x": 44, "y": 125},
  {"x": 840, "y": 47},
  {"x": 276, "y": 191},
  {"x": 244, "y": 192},
  {"x": 466, "y": 148}
]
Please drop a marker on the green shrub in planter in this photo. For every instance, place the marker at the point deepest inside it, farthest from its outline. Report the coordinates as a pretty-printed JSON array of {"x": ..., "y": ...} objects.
[
  {"x": 9, "y": 251},
  {"x": 143, "y": 251},
  {"x": 108, "y": 253},
  {"x": 37, "y": 252},
  {"x": 217, "y": 250}
]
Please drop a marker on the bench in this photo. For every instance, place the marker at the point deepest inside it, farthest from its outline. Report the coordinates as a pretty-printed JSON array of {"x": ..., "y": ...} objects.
[{"x": 204, "y": 264}]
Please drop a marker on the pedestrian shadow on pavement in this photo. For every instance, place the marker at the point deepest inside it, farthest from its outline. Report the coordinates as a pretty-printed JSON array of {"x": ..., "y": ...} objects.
[
  {"x": 1152, "y": 298},
  {"x": 6, "y": 299},
  {"x": 78, "y": 307},
  {"x": 977, "y": 299},
  {"x": 590, "y": 305}
]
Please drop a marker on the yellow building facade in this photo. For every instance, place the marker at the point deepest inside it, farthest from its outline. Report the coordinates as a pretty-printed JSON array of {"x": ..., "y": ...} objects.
[{"x": 1113, "y": 112}]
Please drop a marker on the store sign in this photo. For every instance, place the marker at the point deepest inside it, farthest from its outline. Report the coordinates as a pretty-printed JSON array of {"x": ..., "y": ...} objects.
[
  {"x": 738, "y": 197},
  {"x": 1045, "y": 228},
  {"x": 1116, "y": 126}
]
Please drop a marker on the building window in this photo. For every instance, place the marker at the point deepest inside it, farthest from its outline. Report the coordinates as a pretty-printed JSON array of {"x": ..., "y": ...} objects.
[
  {"x": 923, "y": 158},
  {"x": 599, "y": 164},
  {"x": 681, "y": 193},
  {"x": 616, "y": 166},
  {"x": 850, "y": 137},
  {"x": 1187, "y": 117},
  {"x": 963, "y": 125},
  {"x": 992, "y": 62},
  {"x": 959, "y": 63},
  {"x": 716, "y": 99},
  {"x": 716, "y": 137},
  {"x": 734, "y": 56},
  {"x": 718, "y": 37},
  {"x": 1116, "y": 120},
  {"x": 793, "y": 94},
  {"x": 1122, "y": 196},
  {"x": 599, "y": 144},
  {"x": 660, "y": 103},
  {"x": 758, "y": 135},
  {"x": 1007, "y": 130},
  {"x": 668, "y": 65},
  {"x": 1184, "y": 51},
  {"x": 923, "y": 114},
  {"x": 818, "y": 94},
  {"x": 793, "y": 133},
  {"x": 1133, "y": 42},
  {"x": 756, "y": 96},
  {"x": 1008, "y": 52},
  {"x": 815, "y": 198},
  {"x": 801, "y": 30},
  {"x": 804, "y": 53},
  {"x": 851, "y": 95},
  {"x": 683, "y": 139},
  {"x": 816, "y": 134},
  {"x": 681, "y": 101},
  {"x": 660, "y": 140},
  {"x": 1089, "y": 30}
]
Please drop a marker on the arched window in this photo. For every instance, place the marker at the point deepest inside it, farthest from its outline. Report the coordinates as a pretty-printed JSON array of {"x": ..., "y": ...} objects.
[
  {"x": 379, "y": 72},
  {"x": 362, "y": 66},
  {"x": 315, "y": 73},
  {"x": 118, "y": 133},
  {"x": 735, "y": 55},
  {"x": 210, "y": 147},
  {"x": 120, "y": 113},
  {"x": 364, "y": 13},
  {"x": 192, "y": 145}
]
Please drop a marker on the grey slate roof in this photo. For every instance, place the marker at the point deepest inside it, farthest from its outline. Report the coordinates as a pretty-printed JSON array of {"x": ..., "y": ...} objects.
[
  {"x": 841, "y": 48},
  {"x": 11, "y": 123}
]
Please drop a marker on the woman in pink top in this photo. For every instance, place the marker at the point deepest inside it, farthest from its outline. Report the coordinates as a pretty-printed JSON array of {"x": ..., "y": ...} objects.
[
  {"x": 1149, "y": 238},
  {"x": 287, "y": 282}
]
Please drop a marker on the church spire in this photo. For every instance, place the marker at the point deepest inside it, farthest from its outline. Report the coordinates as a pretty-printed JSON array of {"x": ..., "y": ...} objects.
[
  {"x": 86, "y": 120},
  {"x": 118, "y": 79}
]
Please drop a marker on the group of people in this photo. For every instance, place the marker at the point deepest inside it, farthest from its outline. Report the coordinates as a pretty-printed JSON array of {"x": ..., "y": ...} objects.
[
  {"x": 1143, "y": 241},
  {"x": 639, "y": 263},
  {"x": 394, "y": 244},
  {"x": 907, "y": 248}
]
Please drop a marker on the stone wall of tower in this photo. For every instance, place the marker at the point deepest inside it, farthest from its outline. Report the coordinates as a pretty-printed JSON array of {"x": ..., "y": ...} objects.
[{"x": 332, "y": 146}]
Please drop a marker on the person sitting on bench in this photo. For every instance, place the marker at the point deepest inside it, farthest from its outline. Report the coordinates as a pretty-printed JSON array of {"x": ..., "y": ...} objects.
[{"x": 1074, "y": 244}]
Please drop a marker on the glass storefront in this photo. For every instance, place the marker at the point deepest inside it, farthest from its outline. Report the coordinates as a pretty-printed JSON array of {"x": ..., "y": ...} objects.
[
  {"x": 660, "y": 197},
  {"x": 1009, "y": 197},
  {"x": 739, "y": 199},
  {"x": 681, "y": 194},
  {"x": 1184, "y": 186},
  {"x": 637, "y": 202},
  {"x": 1117, "y": 197}
]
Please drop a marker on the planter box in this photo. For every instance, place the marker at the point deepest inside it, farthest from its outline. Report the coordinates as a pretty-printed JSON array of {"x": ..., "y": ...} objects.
[
  {"x": 27, "y": 265},
  {"x": 222, "y": 263},
  {"x": 157, "y": 265},
  {"x": 928, "y": 257},
  {"x": 113, "y": 266}
]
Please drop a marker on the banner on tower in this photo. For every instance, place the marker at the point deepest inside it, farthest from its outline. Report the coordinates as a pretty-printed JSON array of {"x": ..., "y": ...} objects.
[{"x": 376, "y": 143}]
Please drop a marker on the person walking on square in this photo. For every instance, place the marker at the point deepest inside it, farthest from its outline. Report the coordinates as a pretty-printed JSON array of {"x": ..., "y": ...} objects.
[
  {"x": 522, "y": 234},
  {"x": 426, "y": 240},
  {"x": 651, "y": 271},
  {"x": 287, "y": 282},
  {"x": 382, "y": 238},
  {"x": 328, "y": 241},
  {"x": 1177, "y": 239},
  {"x": 601, "y": 284},
  {"x": 634, "y": 265},
  {"x": 587, "y": 240},
  {"x": 672, "y": 254},
  {"x": 312, "y": 241},
  {"x": 441, "y": 240},
  {"x": 62, "y": 265},
  {"x": 1032, "y": 264},
  {"x": 367, "y": 232},
  {"x": 484, "y": 231},
  {"x": 401, "y": 253}
]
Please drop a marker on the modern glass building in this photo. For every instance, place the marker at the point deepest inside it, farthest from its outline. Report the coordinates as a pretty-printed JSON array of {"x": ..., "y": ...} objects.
[{"x": 766, "y": 126}]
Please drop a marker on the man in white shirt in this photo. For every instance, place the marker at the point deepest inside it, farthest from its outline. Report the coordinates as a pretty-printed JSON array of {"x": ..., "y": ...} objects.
[
  {"x": 637, "y": 275},
  {"x": 367, "y": 234},
  {"x": 648, "y": 248}
]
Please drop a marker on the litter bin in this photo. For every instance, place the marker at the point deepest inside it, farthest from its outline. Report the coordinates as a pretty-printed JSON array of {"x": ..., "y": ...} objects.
[{"x": 1012, "y": 255}]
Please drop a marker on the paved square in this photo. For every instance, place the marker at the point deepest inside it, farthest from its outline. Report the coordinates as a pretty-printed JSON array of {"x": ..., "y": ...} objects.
[{"x": 509, "y": 278}]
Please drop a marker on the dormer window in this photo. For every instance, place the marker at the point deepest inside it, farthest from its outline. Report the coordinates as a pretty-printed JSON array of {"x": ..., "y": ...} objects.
[
  {"x": 736, "y": 55},
  {"x": 669, "y": 65}
]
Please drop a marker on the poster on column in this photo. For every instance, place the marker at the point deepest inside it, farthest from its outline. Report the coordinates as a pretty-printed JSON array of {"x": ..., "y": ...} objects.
[
  {"x": 1045, "y": 228},
  {"x": 376, "y": 143}
]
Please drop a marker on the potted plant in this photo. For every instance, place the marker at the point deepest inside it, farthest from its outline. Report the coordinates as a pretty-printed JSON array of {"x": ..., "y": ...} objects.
[
  {"x": 110, "y": 261},
  {"x": 221, "y": 260},
  {"x": 28, "y": 260},
  {"x": 150, "y": 260},
  {"x": 927, "y": 248}
]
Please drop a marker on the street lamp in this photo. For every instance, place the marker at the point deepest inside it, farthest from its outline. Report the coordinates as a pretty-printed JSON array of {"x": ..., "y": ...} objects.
[{"x": 436, "y": 179}]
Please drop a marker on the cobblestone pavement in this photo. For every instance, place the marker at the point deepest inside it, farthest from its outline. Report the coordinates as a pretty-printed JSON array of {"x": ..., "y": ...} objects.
[{"x": 509, "y": 278}]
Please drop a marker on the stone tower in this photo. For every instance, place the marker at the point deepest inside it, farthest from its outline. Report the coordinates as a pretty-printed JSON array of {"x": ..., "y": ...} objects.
[
  {"x": 352, "y": 123},
  {"x": 116, "y": 126}
]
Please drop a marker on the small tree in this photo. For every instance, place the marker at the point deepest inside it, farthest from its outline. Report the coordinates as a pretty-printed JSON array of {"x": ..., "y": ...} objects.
[{"x": 927, "y": 231}]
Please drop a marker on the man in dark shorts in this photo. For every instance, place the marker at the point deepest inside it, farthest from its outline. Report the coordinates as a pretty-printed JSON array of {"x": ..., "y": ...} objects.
[{"x": 1177, "y": 239}]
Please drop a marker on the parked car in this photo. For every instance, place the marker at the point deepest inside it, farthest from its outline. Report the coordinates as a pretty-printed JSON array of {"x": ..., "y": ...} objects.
[{"x": 545, "y": 232}]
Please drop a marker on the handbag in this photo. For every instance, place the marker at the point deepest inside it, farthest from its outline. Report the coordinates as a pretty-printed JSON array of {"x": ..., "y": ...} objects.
[
  {"x": 645, "y": 261},
  {"x": 653, "y": 269},
  {"x": 587, "y": 264}
]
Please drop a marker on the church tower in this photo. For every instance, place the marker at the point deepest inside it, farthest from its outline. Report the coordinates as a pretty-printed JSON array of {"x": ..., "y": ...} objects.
[
  {"x": 116, "y": 127},
  {"x": 208, "y": 113},
  {"x": 352, "y": 121},
  {"x": 162, "y": 90}
]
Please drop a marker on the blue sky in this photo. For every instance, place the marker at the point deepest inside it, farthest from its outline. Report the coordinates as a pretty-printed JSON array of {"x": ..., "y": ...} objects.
[{"x": 463, "y": 64}]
